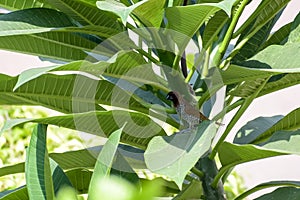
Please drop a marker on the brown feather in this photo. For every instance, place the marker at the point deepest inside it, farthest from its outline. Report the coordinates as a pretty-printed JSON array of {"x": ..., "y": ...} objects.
[{"x": 189, "y": 115}]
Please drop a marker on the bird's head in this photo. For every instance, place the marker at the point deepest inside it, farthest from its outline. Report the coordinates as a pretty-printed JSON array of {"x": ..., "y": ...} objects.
[{"x": 173, "y": 96}]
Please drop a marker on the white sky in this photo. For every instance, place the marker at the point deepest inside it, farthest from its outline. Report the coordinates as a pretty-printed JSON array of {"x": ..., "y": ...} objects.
[{"x": 280, "y": 102}]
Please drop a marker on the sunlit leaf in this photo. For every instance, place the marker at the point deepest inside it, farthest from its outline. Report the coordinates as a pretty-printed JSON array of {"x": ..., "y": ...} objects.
[
  {"x": 37, "y": 167},
  {"x": 288, "y": 123},
  {"x": 173, "y": 156}
]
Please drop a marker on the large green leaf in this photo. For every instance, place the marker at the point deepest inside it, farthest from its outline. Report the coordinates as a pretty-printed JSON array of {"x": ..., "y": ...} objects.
[
  {"x": 118, "y": 8},
  {"x": 12, "y": 169},
  {"x": 213, "y": 28},
  {"x": 59, "y": 180},
  {"x": 289, "y": 122},
  {"x": 247, "y": 88},
  {"x": 151, "y": 12},
  {"x": 173, "y": 156},
  {"x": 232, "y": 154},
  {"x": 253, "y": 45},
  {"x": 68, "y": 93},
  {"x": 104, "y": 162},
  {"x": 279, "y": 37},
  {"x": 291, "y": 193},
  {"x": 272, "y": 59},
  {"x": 254, "y": 128},
  {"x": 295, "y": 27},
  {"x": 57, "y": 45},
  {"x": 284, "y": 141},
  {"x": 125, "y": 65},
  {"x": 37, "y": 167},
  {"x": 86, "y": 159},
  {"x": 284, "y": 192},
  {"x": 19, "y": 193},
  {"x": 275, "y": 57},
  {"x": 86, "y": 13},
  {"x": 188, "y": 19},
  {"x": 266, "y": 11},
  {"x": 22, "y": 4},
  {"x": 80, "y": 179},
  {"x": 31, "y": 21},
  {"x": 287, "y": 80},
  {"x": 59, "y": 177},
  {"x": 138, "y": 131}
]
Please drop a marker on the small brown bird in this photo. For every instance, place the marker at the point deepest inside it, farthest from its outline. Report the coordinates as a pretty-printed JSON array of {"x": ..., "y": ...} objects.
[{"x": 189, "y": 115}]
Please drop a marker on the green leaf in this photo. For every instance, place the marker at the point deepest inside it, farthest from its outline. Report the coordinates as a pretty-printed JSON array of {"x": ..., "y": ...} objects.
[
  {"x": 279, "y": 37},
  {"x": 191, "y": 191},
  {"x": 125, "y": 65},
  {"x": 232, "y": 154},
  {"x": 213, "y": 28},
  {"x": 86, "y": 158},
  {"x": 19, "y": 193},
  {"x": 249, "y": 76},
  {"x": 59, "y": 177},
  {"x": 118, "y": 8},
  {"x": 247, "y": 88},
  {"x": 294, "y": 35},
  {"x": 31, "y": 74},
  {"x": 193, "y": 16},
  {"x": 151, "y": 12},
  {"x": 80, "y": 179},
  {"x": 22, "y": 4},
  {"x": 122, "y": 168},
  {"x": 275, "y": 57},
  {"x": 104, "y": 162},
  {"x": 12, "y": 169},
  {"x": 263, "y": 13},
  {"x": 37, "y": 167},
  {"x": 289, "y": 122},
  {"x": 284, "y": 141},
  {"x": 254, "y": 128},
  {"x": 67, "y": 93},
  {"x": 138, "y": 132},
  {"x": 237, "y": 74},
  {"x": 277, "y": 194},
  {"x": 57, "y": 45},
  {"x": 35, "y": 20},
  {"x": 253, "y": 45},
  {"x": 291, "y": 193},
  {"x": 173, "y": 156},
  {"x": 101, "y": 31},
  {"x": 86, "y": 13},
  {"x": 286, "y": 81}
]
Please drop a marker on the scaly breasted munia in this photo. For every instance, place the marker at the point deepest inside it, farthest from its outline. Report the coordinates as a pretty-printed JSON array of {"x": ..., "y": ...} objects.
[{"x": 189, "y": 115}]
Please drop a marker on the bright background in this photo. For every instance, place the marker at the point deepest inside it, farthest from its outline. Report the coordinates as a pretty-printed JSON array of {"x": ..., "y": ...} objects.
[{"x": 278, "y": 103}]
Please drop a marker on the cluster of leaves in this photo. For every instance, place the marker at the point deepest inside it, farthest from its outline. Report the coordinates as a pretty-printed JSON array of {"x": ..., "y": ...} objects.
[{"x": 113, "y": 85}]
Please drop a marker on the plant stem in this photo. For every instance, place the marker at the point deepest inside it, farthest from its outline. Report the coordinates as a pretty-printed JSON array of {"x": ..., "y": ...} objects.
[
  {"x": 210, "y": 170},
  {"x": 228, "y": 109},
  {"x": 222, "y": 49},
  {"x": 237, "y": 116},
  {"x": 196, "y": 171},
  {"x": 206, "y": 62}
]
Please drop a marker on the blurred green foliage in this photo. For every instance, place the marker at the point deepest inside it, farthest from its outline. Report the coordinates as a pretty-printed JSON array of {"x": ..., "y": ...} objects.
[{"x": 14, "y": 142}]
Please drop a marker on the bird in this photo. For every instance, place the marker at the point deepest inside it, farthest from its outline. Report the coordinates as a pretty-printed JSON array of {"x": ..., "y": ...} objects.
[{"x": 189, "y": 115}]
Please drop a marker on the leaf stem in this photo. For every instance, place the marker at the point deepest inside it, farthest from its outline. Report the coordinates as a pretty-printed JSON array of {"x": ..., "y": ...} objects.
[
  {"x": 222, "y": 49},
  {"x": 198, "y": 172},
  {"x": 237, "y": 116},
  {"x": 228, "y": 109}
]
